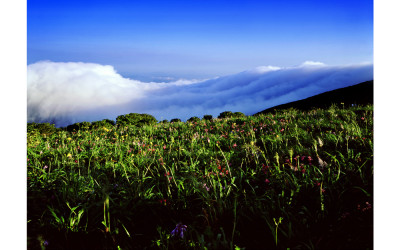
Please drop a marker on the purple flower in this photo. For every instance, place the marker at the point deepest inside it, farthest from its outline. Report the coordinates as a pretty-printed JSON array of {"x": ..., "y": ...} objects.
[
  {"x": 45, "y": 243},
  {"x": 179, "y": 230}
]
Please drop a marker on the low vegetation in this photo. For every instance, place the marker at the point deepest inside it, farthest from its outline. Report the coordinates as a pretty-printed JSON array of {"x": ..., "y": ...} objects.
[{"x": 284, "y": 180}]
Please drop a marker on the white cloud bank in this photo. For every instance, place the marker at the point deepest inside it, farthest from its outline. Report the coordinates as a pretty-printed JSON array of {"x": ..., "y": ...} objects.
[{"x": 65, "y": 93}]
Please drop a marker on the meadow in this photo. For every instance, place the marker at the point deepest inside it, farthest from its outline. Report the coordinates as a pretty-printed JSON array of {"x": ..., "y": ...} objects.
[{"x": 288, "y": 179}]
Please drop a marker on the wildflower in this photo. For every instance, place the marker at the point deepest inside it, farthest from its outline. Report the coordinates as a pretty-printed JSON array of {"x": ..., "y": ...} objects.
[
  {"x": 320, "y": 142},
  {"x": 179, "y": 230},
  {"x": 267, "y": 181},
  {"x": 322, "y": 163},
  {"x": 367, "y": 206},
  {"x": 163, "y": 202},
  {"x": 45, "y": 167},
  {"x": 234, "y": 145},
  {"x": 45, "y": 243},
  {"x": 264, "y": 168},
  {"x": 69, "y": 138}
]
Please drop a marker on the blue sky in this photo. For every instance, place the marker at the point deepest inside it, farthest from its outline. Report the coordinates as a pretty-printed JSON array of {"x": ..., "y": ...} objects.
[{"x": 199, "y": 39}]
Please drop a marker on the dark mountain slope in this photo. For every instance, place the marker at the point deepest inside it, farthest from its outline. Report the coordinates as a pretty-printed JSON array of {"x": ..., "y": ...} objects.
[{"x": 359, "y": 94}]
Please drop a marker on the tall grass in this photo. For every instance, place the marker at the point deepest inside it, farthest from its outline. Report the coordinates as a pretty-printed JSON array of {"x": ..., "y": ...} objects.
[{"x": 292, "y": 179}]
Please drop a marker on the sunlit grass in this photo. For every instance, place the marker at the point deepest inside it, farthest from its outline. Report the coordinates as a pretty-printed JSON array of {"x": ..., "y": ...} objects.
[{"x": 291, "y": 179}]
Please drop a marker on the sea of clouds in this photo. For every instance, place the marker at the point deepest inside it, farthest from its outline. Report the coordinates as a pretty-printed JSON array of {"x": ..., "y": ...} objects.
[{"x": 67, "y": 92}]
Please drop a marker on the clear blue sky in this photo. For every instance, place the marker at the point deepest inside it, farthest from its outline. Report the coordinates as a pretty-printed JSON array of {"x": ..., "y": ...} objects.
[{"x": 199, "y": 38}]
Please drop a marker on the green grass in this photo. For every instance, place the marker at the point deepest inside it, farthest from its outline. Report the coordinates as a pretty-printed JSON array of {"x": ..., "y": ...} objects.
[{"x": 297, "y": 180}]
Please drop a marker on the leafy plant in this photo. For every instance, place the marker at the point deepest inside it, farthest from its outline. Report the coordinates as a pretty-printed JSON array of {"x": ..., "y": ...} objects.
[{"x": 287, "y": 179}]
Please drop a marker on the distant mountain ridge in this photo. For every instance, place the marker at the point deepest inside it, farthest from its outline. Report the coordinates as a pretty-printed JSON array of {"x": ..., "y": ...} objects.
[{"x": 359, "y": 94}]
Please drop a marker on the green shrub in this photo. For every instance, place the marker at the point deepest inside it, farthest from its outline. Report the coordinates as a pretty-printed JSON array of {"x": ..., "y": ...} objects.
[
  {"x": 238, "y": 114},
  {"x": 42, "y": 128},
  {"x": 225, "y": 114},
  {"x": 176, "y": 120},
  {"x": 78, "y": 126},
  {"x": 194, "y": 119},
  {"x": 135, "y": 119},
  {"x": 103, "y": 123}
]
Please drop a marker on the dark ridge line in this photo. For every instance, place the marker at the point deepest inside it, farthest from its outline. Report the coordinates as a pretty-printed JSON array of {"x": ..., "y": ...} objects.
[{"x": 358, "y": 94}]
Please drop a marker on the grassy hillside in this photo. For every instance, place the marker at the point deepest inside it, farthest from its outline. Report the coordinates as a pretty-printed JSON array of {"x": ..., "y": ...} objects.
[
  {"x": 359, "y": 94},
  {"x": 288, "y": 180}
]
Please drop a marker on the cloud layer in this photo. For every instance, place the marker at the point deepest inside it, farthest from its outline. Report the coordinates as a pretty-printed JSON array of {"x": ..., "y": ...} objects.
[{"x": 65, "y": 93}]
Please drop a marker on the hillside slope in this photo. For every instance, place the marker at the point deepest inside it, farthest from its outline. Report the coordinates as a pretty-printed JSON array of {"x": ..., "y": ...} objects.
[{"x": 359, "y": 94}]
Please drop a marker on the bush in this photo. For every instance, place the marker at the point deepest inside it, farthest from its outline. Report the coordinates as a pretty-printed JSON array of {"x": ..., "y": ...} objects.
[
  {"x": 207, "y": 117},
  {"x": 176, "y": 120},
  {"x": 78, "y": 126},
  {"x": 225, "y": 114},
  {"x": 238, "y": 115},
  {"x": 194, "y": 119},
  {"x": 103, "y": 123},
  {"x": 84, "y": 125},
  {"x": 135, "y": 119},
  {"x": 42, "y": 128},
  {"x": 229, "y": 114}
]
